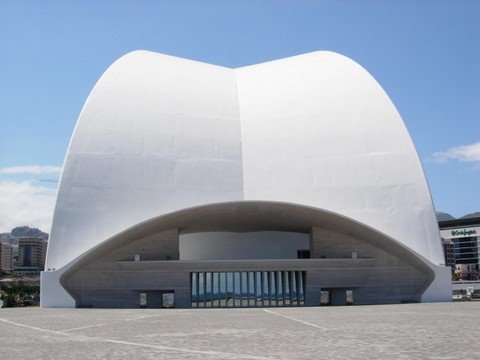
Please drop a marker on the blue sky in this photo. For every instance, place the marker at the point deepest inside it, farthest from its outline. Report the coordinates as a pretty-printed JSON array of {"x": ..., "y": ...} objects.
[{"x": 425, "y": 54}]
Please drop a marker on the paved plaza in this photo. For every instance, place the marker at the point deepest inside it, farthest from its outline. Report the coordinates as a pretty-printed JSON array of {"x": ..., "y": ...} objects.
[{"x": 409, "y": 331}]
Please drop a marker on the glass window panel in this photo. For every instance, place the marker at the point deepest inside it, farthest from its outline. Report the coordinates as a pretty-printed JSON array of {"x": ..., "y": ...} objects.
[
  {"x": 244, "y": 289},
  {"x": 291, "y": 280},
  {"x": 302, "y": 287},
  {"x": 286, "y": 288},
  {"x": 251, "y": 290},
  {"x": 205, "y": 294},
  {"x": 193, "y": 288},
  {"x": 201, "y": 289},
  {"x": 216, "y": 289},
  {"x": 223, "y": 290},
  {"x": 258, "y": 288},
  {"x": 238, "y": 292},
  {"x": 208, "y": 289},
  {"x": 197, "y": 285},
  {"x": 273, "y": 288},
  {"x": 265, "y": 288},
  {"x": 293, "y": 294},
  {"x": 293, "y": 288},
  {"x": 296, "y": 288},
  {"x": 298, "y": 278},
  {"x": 230, "y": 299},
  {"x": 279, "y": 286}
]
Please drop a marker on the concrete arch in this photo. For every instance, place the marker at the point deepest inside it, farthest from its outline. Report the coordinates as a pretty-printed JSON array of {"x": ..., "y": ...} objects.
[{"x": 250, "y": 216}]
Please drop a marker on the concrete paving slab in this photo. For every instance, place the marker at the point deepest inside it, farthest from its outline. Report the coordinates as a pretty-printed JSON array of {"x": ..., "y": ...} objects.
[{"x": 408, "y": 331}]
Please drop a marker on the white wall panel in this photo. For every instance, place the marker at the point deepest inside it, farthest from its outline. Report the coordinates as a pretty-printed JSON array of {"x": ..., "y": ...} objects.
[
  {"x": 157, "y": 134},
  {"x": 318, "y": 130}
]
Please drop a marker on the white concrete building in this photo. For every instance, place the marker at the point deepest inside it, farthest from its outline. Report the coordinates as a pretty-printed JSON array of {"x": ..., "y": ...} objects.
[{"x": 274, "y": 184}]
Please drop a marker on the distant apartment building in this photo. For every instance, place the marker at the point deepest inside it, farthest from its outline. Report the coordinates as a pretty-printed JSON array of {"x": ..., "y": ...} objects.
[
  {"x": 32, "y": 252},
  {"x": 460, "y": 240},
  {"x": 6, "y": 257}
]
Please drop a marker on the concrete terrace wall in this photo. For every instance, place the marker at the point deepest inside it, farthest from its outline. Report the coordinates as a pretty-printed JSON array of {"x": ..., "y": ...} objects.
[
  {"x": 115, "y": 280},
  {"x": 389, "y": 280}
]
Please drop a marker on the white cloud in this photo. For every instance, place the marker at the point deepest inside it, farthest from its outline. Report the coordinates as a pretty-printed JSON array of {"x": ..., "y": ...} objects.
[
  {"x": 462, "y": 153},
  {"x": 25, "y": 203},
  {"x": 31, "y": 169}
]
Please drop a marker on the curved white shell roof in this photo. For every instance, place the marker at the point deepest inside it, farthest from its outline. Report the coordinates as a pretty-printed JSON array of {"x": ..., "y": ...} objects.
[{"x": 159, "y": 134}]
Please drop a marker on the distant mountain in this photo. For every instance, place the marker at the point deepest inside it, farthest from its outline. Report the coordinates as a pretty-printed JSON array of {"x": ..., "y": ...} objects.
[
  {"x": 8, "y": 238},
  {"x": 441, "y": 216},
  {"x": 472, "y": 215},
  {"x": 28, "y": 231}
]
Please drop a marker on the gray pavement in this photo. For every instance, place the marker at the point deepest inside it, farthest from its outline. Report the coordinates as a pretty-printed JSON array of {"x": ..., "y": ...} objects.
[{"x": 409, "y": 331}]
